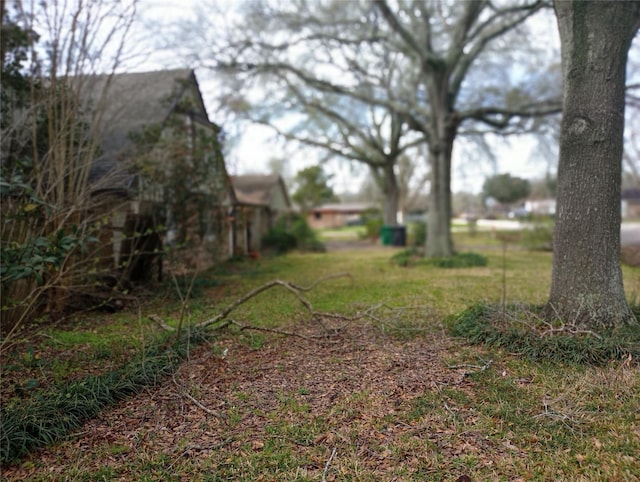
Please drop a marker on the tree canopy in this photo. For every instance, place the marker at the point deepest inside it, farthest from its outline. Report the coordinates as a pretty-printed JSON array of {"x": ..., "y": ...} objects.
[
  {"x": 506, "y": 188},
  {"x": 312, "y": 188},
  {"x": 440, "y": 70}
]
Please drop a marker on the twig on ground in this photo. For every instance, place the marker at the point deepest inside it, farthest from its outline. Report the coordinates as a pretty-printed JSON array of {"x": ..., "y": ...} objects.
[
  {"x": 477, "y": 368},
  {"x": 572, "y": 330},
  {"x": 156, "y": 319},
  {"x": 195, "y": 401},
  {"x": 328, "y": 464},
  {"x": 55, "y": 340},
  {"x": 448, "y": 409},
  {"x": 320, "y": 280}
]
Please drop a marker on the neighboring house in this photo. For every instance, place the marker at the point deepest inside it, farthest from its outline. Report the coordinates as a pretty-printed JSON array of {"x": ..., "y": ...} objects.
[
  {"x": 629, "y": 206},
  {"x": 160, "y": 175},
  {"x": 260, "y": 201},
  {"x": 540, "y": 207},
  {"x": 336, "y": 215},
  {"x": 631, "y": 203}
]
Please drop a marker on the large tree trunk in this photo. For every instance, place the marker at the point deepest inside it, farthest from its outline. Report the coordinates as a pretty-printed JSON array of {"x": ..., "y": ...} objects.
[
  {"x": 586, "y": 284},
  {"x": 386, "y": 180},
  {"x": 439, "y": 242},
  {"x": 391, "y": 193},
  {"x": 439, "y": 217}
]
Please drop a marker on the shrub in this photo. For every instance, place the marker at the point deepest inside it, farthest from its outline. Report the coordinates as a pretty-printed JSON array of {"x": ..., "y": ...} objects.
[
  {"x": 292, "y": 232},
  {"x": 539, "y": 238},
  {"x": 419, "y": 234},
  {"x": 279, "y": 239},
  {"x": 459, "y": 260},
  {"x": 372, "y": 220},
  {"x": 407, "y": 257},
  {"x": 414, "y": 256}
]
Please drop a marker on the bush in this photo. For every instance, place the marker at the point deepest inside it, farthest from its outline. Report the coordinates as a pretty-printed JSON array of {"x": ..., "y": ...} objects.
[
  {"x": 407, "y": 257},
  {"x": 414, "y": 256},
  {"x": 419, "y": 234},
  {"x": 459, "y": 260},
  {"x": 539, "y": 238},
  {"x": 279, "y": 239},
  {"x": 372, "y": 220},
  {"x": 292, "y": 232}
]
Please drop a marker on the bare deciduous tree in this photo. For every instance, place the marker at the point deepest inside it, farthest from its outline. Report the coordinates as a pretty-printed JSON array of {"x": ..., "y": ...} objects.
[
  {"x": 435, "y": 65},
  {"x": 46, "y": 180}
]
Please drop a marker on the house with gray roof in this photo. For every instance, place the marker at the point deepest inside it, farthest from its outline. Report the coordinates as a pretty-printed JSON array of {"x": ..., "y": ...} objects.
[{"x": 159, "y": 172}]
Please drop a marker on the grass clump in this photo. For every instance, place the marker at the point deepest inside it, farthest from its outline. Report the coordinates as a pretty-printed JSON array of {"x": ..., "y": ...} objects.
[
  {"x": 460, "y": 260},
  {"x": 45, "y": 418},
  {"x": 414, "y": 256},
  {"x": 407, "y": 257},
  {"x": 523, "y": 332}
]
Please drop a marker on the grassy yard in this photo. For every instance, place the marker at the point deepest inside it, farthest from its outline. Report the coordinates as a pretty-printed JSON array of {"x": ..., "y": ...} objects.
[{"x": 382, "y": 392}]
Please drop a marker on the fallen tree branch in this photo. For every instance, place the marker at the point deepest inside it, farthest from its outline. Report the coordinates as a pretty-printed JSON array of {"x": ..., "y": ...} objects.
[
  {"x": 292, "y": 288},
  {"x": 320, "y": 280}
]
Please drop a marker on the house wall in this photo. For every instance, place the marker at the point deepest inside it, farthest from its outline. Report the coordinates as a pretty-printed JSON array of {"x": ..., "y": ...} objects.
[
  {"x": 129, "y": 246},
  {"x": 279, "y": 201},
  {"x": 251, "y": 224},
  {"x": 327, "y": 219}
]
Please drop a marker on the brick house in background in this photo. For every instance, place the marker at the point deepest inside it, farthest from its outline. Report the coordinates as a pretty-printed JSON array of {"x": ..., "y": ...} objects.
[
  {"x": 336, "y": 215},
  {"x": 630, "y": 203},
  {"x": 159, "y": 180}
]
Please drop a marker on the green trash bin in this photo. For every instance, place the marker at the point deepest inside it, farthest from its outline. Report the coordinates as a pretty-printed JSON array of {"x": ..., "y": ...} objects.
[
  {"x": 391, "y": 235},
  {"x": 386, "y": 235}
]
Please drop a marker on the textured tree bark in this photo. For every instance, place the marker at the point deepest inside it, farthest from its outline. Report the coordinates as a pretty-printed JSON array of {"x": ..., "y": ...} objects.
[
  {"x": 443, "y": 129},
  {"x": 586, "y": 283},
  {"x": 391, "y": 192},
  {"x": 439, "y": 217}
]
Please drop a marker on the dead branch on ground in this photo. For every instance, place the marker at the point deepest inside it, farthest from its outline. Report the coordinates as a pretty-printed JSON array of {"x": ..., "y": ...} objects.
[{"x": 294, "y": 289}]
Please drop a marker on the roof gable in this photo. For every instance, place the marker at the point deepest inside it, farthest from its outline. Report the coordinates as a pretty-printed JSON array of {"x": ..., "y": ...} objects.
[
  {"x": 259, "y": 189},
  {"x": 134, "y": 101}
]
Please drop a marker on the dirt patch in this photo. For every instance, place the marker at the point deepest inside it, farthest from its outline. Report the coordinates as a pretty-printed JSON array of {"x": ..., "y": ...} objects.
[{"x": 228, "y": 396}]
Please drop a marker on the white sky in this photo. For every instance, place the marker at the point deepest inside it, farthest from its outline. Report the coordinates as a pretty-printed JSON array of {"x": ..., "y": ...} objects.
[{"x": 258, "y": 146}]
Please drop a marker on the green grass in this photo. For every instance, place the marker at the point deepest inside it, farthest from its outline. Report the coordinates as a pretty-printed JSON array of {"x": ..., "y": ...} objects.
[
  {"x": 49, "y": 416},
  {"x": 348, "y": 233},
  {"x": 520, "y": 329},
  {"x": 490, "y": 412}
]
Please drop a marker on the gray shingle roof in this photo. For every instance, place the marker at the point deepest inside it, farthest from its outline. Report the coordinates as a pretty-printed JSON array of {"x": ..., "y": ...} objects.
[{"x": 132, "y": 101}]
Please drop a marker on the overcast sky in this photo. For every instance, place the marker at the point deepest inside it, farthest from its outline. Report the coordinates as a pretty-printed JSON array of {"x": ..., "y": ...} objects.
[{"x": 518, "y": 156}]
